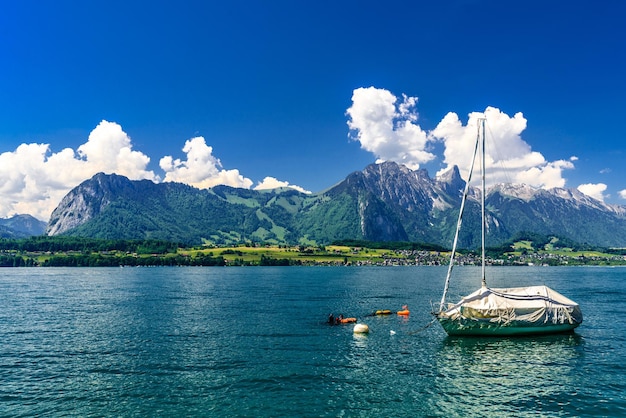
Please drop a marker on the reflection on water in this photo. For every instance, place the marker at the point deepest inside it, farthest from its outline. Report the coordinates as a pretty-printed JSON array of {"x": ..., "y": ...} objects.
[
  {"x": 360, "y": 340},
  {"x": 507, "y": 376}
]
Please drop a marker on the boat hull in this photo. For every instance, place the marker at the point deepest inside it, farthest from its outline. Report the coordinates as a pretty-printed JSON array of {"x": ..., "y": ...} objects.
[{"x": 485, "y": 328}]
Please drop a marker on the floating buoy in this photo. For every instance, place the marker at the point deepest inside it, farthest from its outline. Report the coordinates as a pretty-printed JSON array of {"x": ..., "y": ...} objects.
[
  {"x": 361, "y": 329},
  {"x": 404, "y": 311},
  {"x": 347, "y": 320},
  {"x": 383, "y": 312}
]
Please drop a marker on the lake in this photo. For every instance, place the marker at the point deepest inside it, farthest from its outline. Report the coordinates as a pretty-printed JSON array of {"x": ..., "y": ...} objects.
[{"x": 253, "y": 342}]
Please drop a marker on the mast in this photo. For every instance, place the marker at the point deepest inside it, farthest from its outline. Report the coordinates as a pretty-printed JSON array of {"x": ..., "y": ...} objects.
[
  {"x": 481, "y": 123},
  {"x": 458, "y": 225}
]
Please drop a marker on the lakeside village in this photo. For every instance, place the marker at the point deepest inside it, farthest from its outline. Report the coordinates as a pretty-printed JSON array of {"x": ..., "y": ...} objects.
[
  {"x": 428, "y": 258},
  {"x": 437, "y": 258}
]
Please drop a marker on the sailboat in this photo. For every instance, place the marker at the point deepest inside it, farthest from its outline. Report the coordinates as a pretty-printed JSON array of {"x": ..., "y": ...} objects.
[{"x": 505, "y": 311}]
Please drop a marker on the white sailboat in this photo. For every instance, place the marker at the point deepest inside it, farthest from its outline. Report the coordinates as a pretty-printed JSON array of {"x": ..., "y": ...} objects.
[{"x": 507, "y": 311}]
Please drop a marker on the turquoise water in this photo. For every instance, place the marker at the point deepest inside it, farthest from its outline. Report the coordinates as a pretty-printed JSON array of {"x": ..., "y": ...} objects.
[{"x": 252, "y": 342}]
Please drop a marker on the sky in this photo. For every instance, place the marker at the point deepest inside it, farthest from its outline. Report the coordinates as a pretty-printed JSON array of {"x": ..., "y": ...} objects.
[{"x": 262, "y": 94}]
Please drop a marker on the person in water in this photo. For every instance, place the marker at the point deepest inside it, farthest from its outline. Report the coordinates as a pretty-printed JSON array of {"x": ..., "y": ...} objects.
[{"x": 331, "y": 319}]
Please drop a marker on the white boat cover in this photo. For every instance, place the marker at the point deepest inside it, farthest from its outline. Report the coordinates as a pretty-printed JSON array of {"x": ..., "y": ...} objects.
[{"x": 523, "y": 307}]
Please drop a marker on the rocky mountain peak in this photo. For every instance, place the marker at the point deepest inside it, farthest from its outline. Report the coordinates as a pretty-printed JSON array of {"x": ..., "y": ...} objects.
[
  {"x": 86, "y": 201},
  {"x": 451, "y": 182}
]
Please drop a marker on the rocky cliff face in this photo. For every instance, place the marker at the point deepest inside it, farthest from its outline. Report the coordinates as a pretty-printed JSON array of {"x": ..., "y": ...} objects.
[
  {"x": 86, "y": 201},
  {"x": 399, "y": 204}
]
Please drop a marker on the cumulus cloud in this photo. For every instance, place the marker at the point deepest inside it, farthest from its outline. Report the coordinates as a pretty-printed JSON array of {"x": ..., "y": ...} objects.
[
  {"x": 33, "y": 179},
  {"x": 387, "y": 128},
  {"x": 273, "y": 183},
  {"x": 622, "y": 193},
  {"x": 594, "y": 190},
  {"x": 109, "y": 149},
  {"x": 510, "y": 159},
  {"x": 201, "y": 169}
]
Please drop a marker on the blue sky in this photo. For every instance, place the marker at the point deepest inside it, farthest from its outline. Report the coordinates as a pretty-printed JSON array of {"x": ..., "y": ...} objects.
[{"x": 305, "y": 92}]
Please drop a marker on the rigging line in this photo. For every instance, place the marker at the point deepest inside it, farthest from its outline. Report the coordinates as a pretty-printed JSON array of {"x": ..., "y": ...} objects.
[
  {"x": 424, "y": 328},
  {"x": 499, "y": 159}
]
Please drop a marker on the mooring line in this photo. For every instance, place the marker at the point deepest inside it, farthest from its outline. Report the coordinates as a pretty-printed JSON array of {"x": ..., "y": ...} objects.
[{"x": 422, "y": 328}]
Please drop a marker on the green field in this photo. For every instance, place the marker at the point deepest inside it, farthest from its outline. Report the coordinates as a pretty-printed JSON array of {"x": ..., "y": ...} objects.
[{"x": 332, "y": 254}]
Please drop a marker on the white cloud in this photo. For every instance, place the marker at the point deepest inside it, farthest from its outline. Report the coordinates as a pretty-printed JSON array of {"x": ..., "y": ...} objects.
[
  {"x": 386, "y": 128},
  {"x": 509, "y": 158},
  {"x": 109, "y": 149},
  {"x": 201, "y": 169},
  {"x": 269, "y": 183},
  {"x": 594, "y": 190},
  {"x": 33, "y": 180},
  {"x": 622, "y": 193}
]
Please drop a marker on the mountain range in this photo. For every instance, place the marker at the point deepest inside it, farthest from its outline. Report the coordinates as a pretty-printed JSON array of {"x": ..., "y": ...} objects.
[
  {"x": 383, "y": 202},
  {"x": 21, "y": 226}
]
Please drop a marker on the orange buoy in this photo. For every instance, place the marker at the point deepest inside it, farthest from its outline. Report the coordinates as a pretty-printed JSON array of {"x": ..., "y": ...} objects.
[
  {"x": 347, "y": 320},
  {"x": 404, "y": 311},
  {"x": 383, "y": 312}
]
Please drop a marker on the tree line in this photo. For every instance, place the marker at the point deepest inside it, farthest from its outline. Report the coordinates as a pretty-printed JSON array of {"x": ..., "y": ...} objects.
[
  {"x": 99, "y": 260},
  {"x": 67, "y": 243},
  {"x": 64, "y": 251}
]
